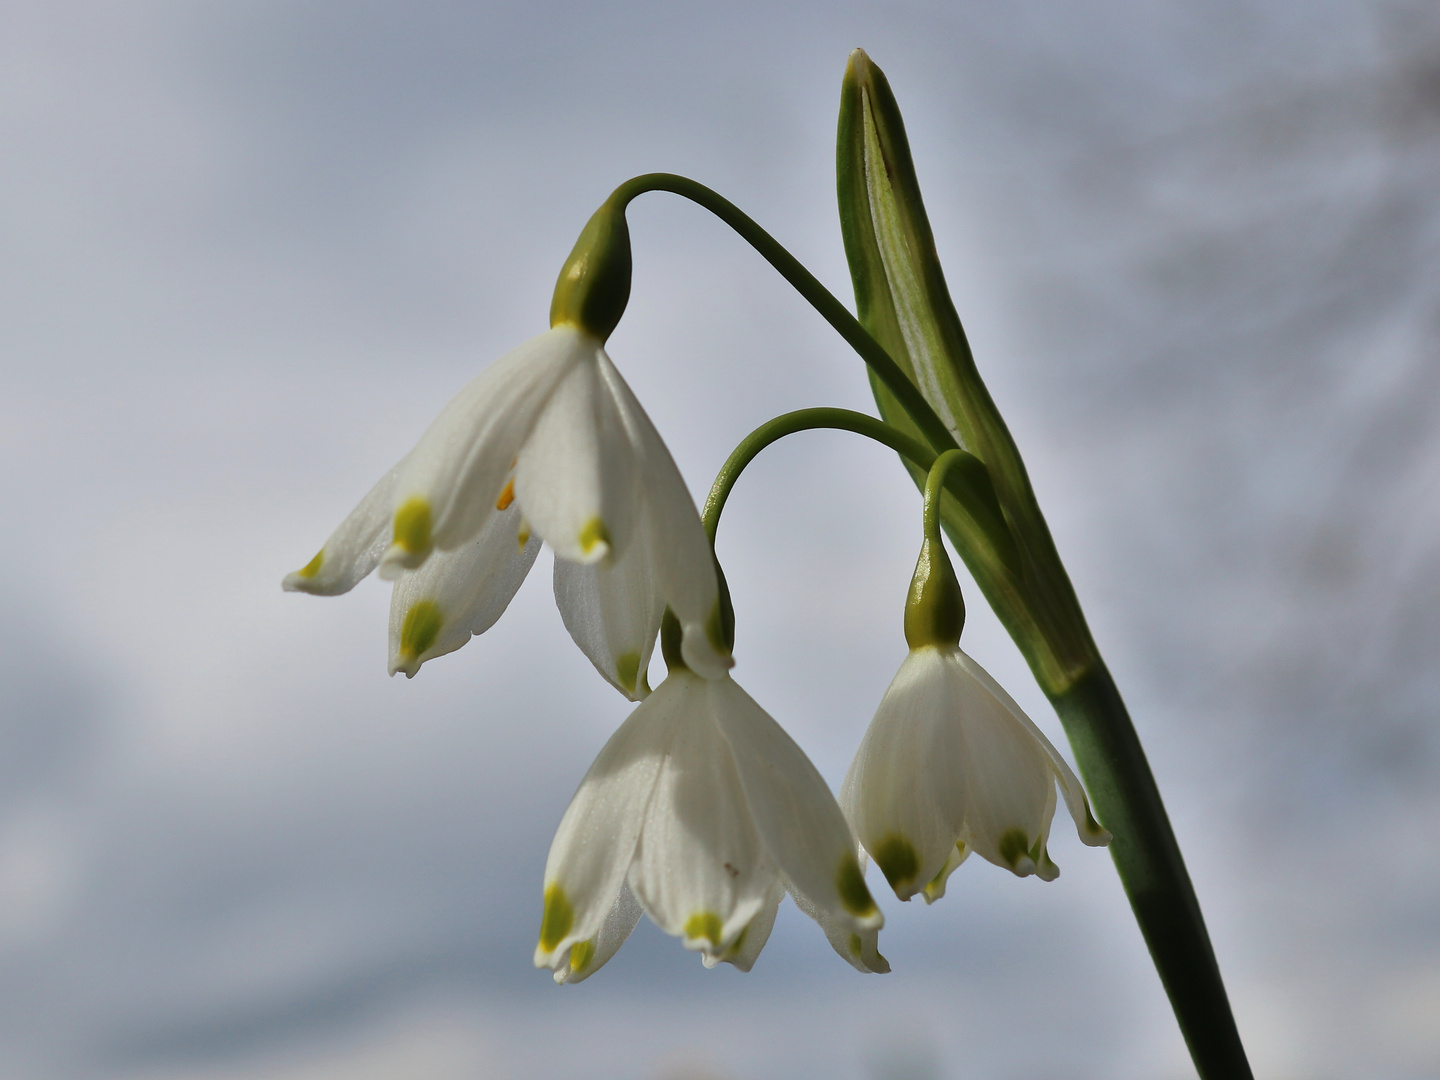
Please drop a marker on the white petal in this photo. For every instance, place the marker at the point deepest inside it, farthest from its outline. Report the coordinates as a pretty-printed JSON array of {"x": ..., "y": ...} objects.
[
  {"x": 458, "y": 594},
  {"x": 613, "y": 612},
  {"x": 797, "y": 818},
  {"x": 704, "y": 651},
  {"x": 1010, "y": 788},
  {"x": 936, "y": 889},
  {"x": 353, "y": 548},
  {"x": 905, "y": 792},
  {"x": 458, "y": 469},
  {"x": 746, "y": 948},
  {"x": 596, "y": 842},
  {"x": 576, "y": 475},
  {"x": 684, "y": 565},
  {"x": 858, "y": 948},
  {"x": 700, "y": 870},
  {"x": 584, "y": 958},
  {"x": 1089, "y": 830}
]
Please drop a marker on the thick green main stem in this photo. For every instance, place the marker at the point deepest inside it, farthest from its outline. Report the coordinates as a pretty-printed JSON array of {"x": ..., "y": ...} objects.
[
  {"x": 807, "y": 285},
  {"x": 1127, "y": 801}
]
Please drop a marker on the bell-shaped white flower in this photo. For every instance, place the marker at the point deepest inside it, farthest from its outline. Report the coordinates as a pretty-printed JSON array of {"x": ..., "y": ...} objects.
[
  {"x": 547, "y": 442},
  {"x": 950, "y": 765},
  {"x": 706, "y": 812}
]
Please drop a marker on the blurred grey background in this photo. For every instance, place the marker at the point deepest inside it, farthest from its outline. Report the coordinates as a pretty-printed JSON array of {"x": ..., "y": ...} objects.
[{"x": 247, "y": 250}]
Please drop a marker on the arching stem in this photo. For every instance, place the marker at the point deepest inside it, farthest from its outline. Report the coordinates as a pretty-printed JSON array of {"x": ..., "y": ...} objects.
[
  {"x": 807, "y": 285},
  {"x": 964, "y": 476}
]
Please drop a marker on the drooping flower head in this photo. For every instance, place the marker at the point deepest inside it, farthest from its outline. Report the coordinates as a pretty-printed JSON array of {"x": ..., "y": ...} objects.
[
  {"x": 548, "y": 443},
  {"x": 703, "y": 813},
  {"x": 950, "y": 763}
]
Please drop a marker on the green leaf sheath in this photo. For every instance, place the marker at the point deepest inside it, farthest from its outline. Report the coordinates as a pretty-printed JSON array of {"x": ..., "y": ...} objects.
[{"x": 902, "y": 299}]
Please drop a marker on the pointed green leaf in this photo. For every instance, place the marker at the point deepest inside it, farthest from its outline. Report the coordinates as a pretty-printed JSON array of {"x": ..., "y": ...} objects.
[{"x": 902, "y": 300}]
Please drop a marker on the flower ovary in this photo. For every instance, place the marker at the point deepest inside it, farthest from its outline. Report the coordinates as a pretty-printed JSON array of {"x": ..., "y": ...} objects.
[
  {"x": 594, "y": 284},
  {"x": 935, "y": 609}
]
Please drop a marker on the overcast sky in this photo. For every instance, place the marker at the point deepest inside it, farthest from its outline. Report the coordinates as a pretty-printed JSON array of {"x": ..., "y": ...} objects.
[{"x": 248, "y": 250}]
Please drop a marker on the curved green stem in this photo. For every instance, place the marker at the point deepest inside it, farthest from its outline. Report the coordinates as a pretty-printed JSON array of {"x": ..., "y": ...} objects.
[
  {"x": 803, "y": 420},
  {"x": 934, "y": 482},
  {"x": 965, "y": 477},
  {"x": 807, "y": 285}
]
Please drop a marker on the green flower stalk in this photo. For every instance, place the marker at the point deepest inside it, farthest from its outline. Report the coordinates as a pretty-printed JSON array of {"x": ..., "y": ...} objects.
[{"x": 902, "y": 300}]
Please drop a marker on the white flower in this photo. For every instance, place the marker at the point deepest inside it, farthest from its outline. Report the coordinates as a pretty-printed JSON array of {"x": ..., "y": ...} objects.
[
  {"x": 703, "y": 812},
  {"x": 548, "y": 440},
  {"x": 949, "y": 765}
]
